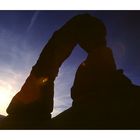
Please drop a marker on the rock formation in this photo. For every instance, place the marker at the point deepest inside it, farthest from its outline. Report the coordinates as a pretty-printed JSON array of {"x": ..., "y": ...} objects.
[{"x": 103, "y": 97}]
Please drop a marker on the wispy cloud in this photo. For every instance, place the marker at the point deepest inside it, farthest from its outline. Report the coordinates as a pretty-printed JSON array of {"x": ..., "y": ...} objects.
[
  {"x": 32, "y": 21},
  {"x": 15, "y": 64}
]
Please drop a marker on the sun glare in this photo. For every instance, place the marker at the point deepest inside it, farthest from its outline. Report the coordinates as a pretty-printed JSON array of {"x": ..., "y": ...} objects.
[{"x": 5, "y": 96}]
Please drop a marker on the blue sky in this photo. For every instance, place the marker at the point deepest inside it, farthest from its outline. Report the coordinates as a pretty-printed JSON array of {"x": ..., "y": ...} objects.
[{"x": 24, "y": 33}]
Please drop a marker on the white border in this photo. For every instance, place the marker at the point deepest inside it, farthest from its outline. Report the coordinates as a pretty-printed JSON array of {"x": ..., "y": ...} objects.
[
  {"x": 69, "y": 5},
  {"x": 70, "y": 135}
]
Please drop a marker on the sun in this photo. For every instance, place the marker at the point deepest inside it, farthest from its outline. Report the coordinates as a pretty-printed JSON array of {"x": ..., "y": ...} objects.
[{"x": 5, "y": 96}]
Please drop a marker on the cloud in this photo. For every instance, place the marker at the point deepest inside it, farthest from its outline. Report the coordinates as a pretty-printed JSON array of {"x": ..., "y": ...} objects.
[
  {"x": 16, "y": 60},
  {"x": 32, "y": 21}
]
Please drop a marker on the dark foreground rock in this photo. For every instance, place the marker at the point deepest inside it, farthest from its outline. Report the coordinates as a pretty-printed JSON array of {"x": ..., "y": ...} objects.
[{"x": 119, "y": 111}]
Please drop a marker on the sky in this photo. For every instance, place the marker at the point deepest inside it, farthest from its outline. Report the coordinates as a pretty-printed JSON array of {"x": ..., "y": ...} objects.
[{"x": 23, "y": 35}]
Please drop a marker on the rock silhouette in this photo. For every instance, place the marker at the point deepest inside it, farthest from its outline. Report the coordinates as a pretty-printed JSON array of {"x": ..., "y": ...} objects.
[{"x": 103, "y": 97}]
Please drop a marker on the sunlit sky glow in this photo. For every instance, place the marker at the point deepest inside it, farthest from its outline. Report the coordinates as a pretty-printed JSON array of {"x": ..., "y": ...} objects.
[{"x": 24, "y": 33}]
